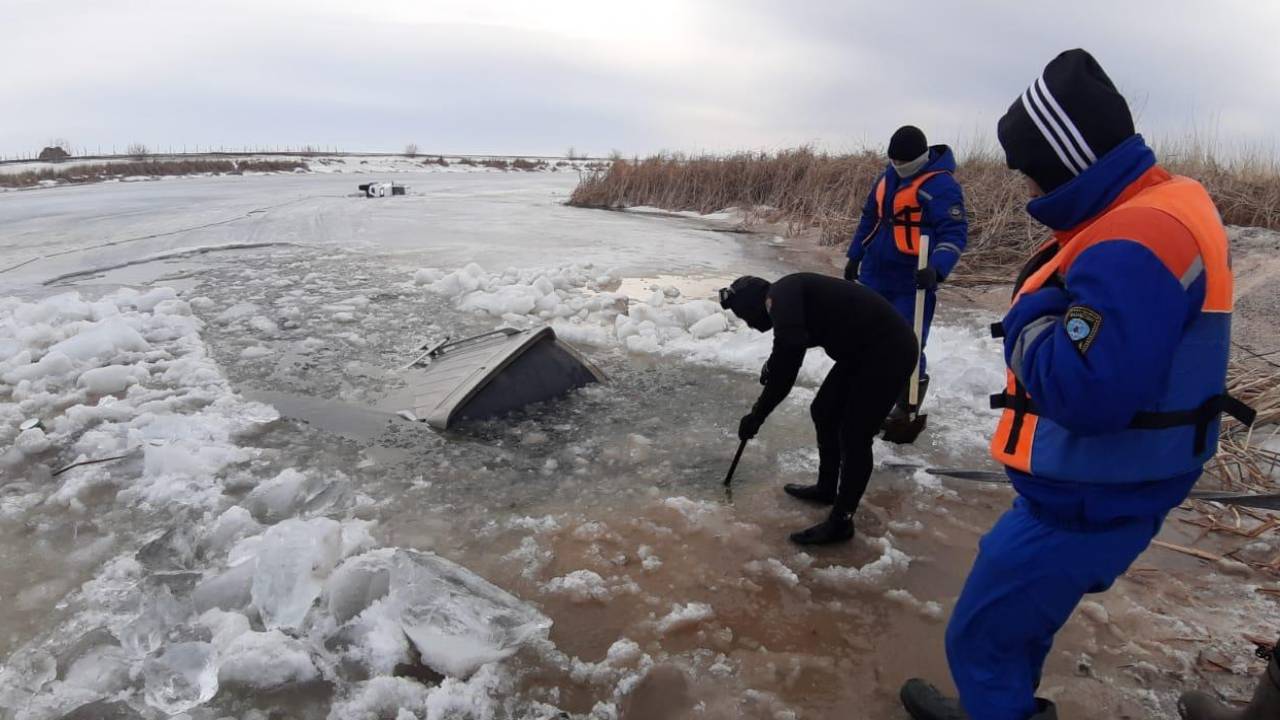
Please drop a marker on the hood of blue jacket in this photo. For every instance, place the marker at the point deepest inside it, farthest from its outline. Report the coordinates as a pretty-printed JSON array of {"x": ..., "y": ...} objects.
[{"x": 1090, "y": 192}]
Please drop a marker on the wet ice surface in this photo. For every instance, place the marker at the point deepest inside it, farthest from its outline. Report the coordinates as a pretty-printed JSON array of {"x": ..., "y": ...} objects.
[{"x": 278, "y": 543}]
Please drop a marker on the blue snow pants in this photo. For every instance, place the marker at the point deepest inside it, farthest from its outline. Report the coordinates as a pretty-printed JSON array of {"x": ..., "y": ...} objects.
[
  {"x": 905, "y": 304},
  {"x": 1028, "y": 578}
]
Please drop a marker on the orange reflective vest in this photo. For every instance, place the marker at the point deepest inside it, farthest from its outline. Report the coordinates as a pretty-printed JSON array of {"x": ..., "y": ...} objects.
[
  {"x": 908, "y": 214},
  {"x": 1179, "y": 433}
]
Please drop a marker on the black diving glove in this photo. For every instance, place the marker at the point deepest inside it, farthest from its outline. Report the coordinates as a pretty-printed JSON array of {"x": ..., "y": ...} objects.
[
  {"x": 764, "y": 373},
  {"x": 749, "y": 426},
  {"x": 851, "y": 270},
  {"x": 927, "y": 279}
]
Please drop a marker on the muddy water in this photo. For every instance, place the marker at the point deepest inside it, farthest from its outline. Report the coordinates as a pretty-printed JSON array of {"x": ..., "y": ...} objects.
[{"x": 623, "y": 481}]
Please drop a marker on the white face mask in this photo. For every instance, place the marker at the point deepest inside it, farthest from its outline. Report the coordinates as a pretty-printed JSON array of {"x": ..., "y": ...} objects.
[{"x": 910, "y": 167}]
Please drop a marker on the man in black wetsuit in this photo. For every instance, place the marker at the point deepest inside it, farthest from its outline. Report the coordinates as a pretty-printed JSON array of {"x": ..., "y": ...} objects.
[{"x": 874, "y": 350}]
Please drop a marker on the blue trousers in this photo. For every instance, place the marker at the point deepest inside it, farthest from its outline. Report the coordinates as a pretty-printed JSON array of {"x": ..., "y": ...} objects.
[
  {"x": 905, "y": 304},
  {"x": 1028, "y": 578}
]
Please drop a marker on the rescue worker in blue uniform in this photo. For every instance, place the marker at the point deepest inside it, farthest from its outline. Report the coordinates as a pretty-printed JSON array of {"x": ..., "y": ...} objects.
[
  {"x": 915, "y": 195},
  {"x": 1116, "y": 346}
]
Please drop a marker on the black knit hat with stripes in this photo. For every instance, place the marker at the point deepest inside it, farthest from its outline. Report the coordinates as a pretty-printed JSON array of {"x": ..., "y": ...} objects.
[{"x": 1069, "y": 117}]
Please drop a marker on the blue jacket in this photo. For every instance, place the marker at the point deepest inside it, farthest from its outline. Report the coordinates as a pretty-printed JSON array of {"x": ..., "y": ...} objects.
[
  {"x": 1091, "y": 379},
  {"x": 886, "y": 269}
]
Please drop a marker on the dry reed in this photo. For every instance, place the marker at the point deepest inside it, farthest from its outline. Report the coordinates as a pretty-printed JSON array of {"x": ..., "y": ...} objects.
[
  {"x": 1243, "y": 461},
  {"x": 805, "y": 189}
]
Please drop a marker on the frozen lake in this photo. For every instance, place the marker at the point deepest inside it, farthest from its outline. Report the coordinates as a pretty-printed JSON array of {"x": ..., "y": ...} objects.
[
  {"x": 495, "y": 219},
  {"x": 271, "y": 543}
]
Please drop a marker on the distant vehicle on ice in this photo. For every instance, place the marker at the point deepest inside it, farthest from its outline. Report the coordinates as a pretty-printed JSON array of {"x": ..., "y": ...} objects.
[{"x": 382, "y": 189}]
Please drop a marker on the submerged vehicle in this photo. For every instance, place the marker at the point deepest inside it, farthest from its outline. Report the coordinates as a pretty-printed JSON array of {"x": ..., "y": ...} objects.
[{"x": 491, "y": 374}]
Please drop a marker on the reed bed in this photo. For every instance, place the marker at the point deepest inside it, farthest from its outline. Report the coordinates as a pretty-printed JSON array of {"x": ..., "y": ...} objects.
[{"x": 808, "y": 190}]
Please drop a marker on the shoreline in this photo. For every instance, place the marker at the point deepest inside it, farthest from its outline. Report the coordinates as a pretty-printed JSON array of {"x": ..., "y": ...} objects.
[{"x": 1256, "y": 261}]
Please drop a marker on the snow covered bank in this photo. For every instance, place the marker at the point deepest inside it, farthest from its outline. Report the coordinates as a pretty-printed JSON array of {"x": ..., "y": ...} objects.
[
  {"x": 154, "y": 167},
  {"x": 443, "y": 163}
]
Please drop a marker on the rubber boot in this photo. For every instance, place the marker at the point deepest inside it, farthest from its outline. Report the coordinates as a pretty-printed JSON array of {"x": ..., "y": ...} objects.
[
  {"x": 824, "y": 491},
  {"x": 837, "y": 528},
  {"x": 923, "y": 701},
  {"x": 902, "y": 409},
  {"x": 1046, "y": 711},
  {"x": 811, "y": 493},
  {"x": 1264, "y": 706}
]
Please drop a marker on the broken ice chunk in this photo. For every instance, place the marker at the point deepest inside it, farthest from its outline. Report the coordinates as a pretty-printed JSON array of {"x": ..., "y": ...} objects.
[
  {"x": 710, "y": 325},
  {"x": 265, "y": 661},
  {"x": 24, "y": 675},
  {"x": 145, "y": 632},
  {"x": 358, "y": 583},
  {"x": 580, "y": 586},
  {"x": 229, "y": 590},
  {"x": 282, "y": 495},
  {"x": 103, "y": 670},
  {"x": 172, "y": 550},
  {"x": 232, "y": 525},
  {"x": 457, "y": 620},
  {"x": 184, "y": 676},
  {"x": 111, "y": 379},
  {"x": 103, "y": 710},
  {"x": 294, "y": 559},
  {"x": 105, "y": 340}
]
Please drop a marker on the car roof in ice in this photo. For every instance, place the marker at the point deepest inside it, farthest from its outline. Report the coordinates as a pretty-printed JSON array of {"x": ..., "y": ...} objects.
[{"x": 490, "y": 374}]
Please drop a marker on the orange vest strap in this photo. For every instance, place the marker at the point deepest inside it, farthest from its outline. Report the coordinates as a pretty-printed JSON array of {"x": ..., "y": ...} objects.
[{"x": 912, "y": 187}]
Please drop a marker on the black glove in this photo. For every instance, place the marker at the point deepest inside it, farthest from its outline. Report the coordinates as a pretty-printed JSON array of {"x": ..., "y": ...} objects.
[
  {"x": 749, "y": 426},
  {"x": 764, "y": 373},
  {"x": 851, "y": 270},
  {"x": 927, "y": 279}
]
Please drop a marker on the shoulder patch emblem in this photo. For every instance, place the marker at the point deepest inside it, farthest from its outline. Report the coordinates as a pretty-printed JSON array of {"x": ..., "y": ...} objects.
[
  {"x": 956, "y": 212},
  {"x": 1082, "y": 325}
]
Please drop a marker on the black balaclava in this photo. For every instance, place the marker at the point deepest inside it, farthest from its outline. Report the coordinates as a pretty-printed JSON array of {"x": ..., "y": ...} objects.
[
  {"x": 746, "y": 300},
  {"x": 1069, "y": 117}
]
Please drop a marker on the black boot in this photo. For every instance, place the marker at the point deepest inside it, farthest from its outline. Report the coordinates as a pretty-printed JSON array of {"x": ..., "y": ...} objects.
[
  {"x": 1264, "y": 706},
  {"x": 923, "y": 701},
  {"x": 902, "y": 409},
  {"x": 1045, "y": 710},
  {"x": 824, "y": 491},
  {"x": 811, "y": 493},
  {"x": 837, "y": 528}
]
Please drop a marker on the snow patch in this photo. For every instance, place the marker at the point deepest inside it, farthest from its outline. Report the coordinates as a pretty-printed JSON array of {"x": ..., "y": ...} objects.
[
  {"x": 685, "y": 617},
  {"x": 891, "y": 562}
]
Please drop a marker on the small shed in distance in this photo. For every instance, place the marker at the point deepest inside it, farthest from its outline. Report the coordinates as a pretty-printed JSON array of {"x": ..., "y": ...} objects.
[{"x": 53, "y": 153}]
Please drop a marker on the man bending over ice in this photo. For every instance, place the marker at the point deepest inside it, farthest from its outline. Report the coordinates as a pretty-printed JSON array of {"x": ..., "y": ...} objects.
[{"x": 875, "y": 351}]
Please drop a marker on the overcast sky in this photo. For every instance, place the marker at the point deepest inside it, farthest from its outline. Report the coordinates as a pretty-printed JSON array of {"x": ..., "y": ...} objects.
[{"x": 539, "y": 76}]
